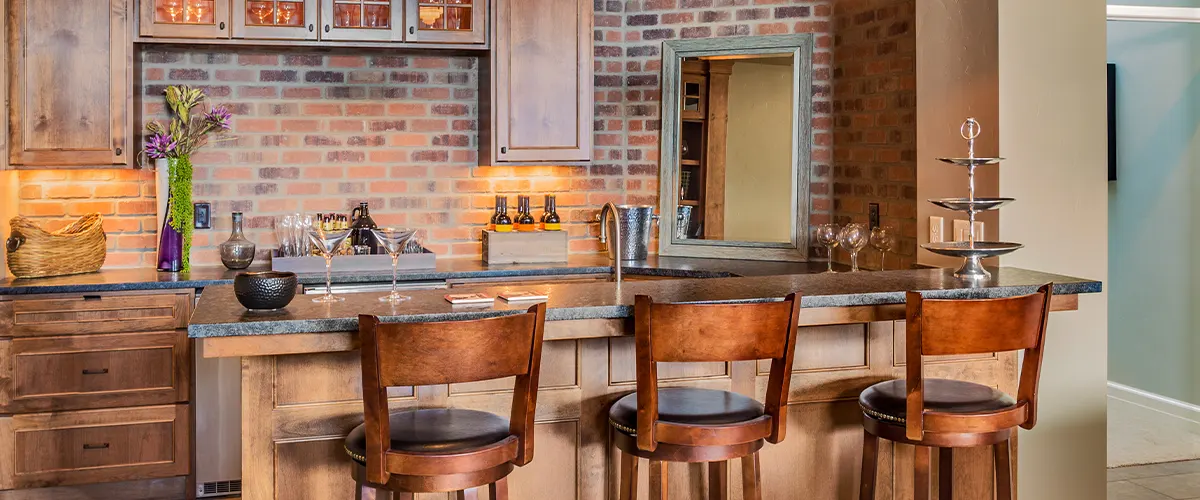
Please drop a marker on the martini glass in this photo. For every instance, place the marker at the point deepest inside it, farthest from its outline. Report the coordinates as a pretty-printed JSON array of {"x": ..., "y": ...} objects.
[
  {"x": 827, "y": 236},
  {"x": 394, "y": 241},
  {"x": 327, "y": 243}
]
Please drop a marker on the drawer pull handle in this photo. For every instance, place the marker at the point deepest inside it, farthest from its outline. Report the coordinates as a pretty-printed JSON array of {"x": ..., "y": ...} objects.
[
  {"x": 102, "y": 371},
  {"x": 101, "y": 446},
  {"x": 91, "y": 297}
]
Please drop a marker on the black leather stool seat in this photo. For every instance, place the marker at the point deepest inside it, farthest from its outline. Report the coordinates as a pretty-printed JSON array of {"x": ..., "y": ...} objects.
[
  {"x": 886, "y": 400},
  {"x": 434, "y": 431},
  {"x": 685, "y": 405}
]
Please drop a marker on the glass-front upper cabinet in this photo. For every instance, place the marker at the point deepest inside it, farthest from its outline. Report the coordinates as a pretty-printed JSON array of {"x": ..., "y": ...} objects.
[
  {"x": 446, "y": 21},
  {"x": 184, "y": 18},
  {"x": 275, "y": 19},
  {"x": 365, "y": 20}
]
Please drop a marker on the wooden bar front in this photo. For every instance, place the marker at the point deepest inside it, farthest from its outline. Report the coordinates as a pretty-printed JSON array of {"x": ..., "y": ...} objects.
[{"x": 301, "y": 394}]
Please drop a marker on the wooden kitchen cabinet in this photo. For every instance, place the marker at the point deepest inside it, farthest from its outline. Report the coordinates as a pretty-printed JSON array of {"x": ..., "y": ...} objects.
[
  {"x": 275, "y": 19},
  {"x": 69, "y": 83},
  {"x": 540, "y": 95},
  {"x": 362, "y": 20},
  {"x": 184, "y": 18},
  {"x": 446, "y": 21}
]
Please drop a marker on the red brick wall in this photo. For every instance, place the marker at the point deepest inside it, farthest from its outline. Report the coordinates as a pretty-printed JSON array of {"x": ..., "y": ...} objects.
[
  {"x": 875, "y": 114},
  {"x": 321, "y": 131}
]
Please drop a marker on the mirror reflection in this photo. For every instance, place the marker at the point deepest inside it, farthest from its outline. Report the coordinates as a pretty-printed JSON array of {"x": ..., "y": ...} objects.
[{"x": 736, "y": 128}]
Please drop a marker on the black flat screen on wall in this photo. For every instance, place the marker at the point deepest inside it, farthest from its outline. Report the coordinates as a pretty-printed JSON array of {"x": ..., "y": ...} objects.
[{"x": 1112, "y": 122}]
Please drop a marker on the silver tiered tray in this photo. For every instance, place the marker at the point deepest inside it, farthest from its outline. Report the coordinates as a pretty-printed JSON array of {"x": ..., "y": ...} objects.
[{"x": 972, "y": 251}]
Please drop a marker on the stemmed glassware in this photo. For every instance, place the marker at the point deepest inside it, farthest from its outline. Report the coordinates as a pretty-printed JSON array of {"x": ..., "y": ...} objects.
[
  {"x": 883, "y": 238},
  {"x": 827, "y": 236},
  {"x": 174, "y": 8},
  {"x": 394, "y": 242},
  {"x": 327, "y": 243},
  {"x": 261, "y": 10},
  {"x": 286, "y": 11},
  {"x": 853, "y": 238}
]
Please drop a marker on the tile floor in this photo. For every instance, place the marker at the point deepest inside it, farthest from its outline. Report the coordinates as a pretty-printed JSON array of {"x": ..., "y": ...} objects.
[{"x": 1166, "y": 481}]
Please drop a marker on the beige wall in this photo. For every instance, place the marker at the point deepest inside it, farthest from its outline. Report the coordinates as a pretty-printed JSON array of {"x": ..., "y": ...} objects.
[
  {"x": 1052, "y": 117},
  {"x": 758, "y": 157},
  {"x": 957, "y": 77}
]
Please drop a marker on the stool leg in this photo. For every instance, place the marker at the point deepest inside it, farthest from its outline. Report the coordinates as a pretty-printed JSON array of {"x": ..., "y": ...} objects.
[
  {"x": 922, "y": 455},
  {"x": 658, "y": 480},
  {"x": 718, "y": 480},
  {"x": 499, "y": 489},
  {"x": 870, "y": 460},
  {"x": 361, "y": 490},
  {"x": 946, "y": 473},
  {"x": 751, "y": 478},
  {"x": 629, "y": 476},
  {"x": 1003, "y": 459},
  {"x": 468, "y": 494}
]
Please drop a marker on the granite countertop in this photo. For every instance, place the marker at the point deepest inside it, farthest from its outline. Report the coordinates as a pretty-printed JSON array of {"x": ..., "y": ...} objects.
[
  {"x": 218, "y": 313},
  {"x": 149, "y": 279}
]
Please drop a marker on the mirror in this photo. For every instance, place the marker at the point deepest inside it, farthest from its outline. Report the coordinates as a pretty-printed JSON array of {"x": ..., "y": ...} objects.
[{"x": 735, "y": 147}]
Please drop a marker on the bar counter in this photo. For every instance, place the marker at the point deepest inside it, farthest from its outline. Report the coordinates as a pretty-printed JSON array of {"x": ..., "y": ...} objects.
[{"x": 301, "y": 389}]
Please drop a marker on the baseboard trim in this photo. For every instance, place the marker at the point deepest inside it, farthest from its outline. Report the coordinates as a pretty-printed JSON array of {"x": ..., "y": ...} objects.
[{"x": 1156, "y": 402}]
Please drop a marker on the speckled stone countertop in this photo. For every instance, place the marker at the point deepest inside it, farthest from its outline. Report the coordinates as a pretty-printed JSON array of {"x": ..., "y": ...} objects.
[
  {"x": 149, "y": 279},
  {"x": 218, "y": 313}
]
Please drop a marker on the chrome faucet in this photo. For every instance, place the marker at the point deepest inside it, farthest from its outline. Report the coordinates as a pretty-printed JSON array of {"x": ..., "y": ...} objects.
[{"x": 610, "y": 210}]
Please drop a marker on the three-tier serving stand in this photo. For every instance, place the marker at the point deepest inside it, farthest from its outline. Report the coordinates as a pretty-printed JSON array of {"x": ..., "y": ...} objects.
[{"x": 972, "y": 250}]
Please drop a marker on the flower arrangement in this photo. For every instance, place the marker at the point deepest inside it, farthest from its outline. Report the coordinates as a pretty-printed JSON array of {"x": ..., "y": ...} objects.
[{"x": 175, "y": 143}]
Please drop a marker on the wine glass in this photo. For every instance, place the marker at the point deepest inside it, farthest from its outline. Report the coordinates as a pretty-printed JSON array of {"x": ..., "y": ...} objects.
[
  {"x": 261, "y": 10},
  {"x": 853, "y": 238},
  {"x": 394, "y": 242},
  {"x": 286, "y": 11},
  {"x": 883, "y": 238},
  {"x": 174, "y": 8},
  {"x": 327, "y": 243},
  {"x": 827, "y": 236}
]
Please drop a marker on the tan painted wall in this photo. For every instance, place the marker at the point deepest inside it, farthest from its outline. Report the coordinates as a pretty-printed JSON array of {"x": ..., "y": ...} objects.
[
  {"x": 758, "y": 162},
  {"x": 1052, "y": 117},
  {"x": 957, "y": 77}
]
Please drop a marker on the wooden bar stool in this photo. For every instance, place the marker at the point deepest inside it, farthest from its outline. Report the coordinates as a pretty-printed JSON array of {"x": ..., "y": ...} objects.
[
  {"x": 447, "y": 449},
  {"x": 948, "y": 414},
  {"x": 703, "y": 425}
]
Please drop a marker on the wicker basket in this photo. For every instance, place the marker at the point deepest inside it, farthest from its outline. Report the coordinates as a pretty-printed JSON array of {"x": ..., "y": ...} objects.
[{"x": 75, "y": 249}]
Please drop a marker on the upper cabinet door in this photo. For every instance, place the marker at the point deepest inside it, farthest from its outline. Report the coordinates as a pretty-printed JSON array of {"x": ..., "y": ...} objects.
[
  {"x": 275, "y": 19},
  {"x": 69, "y": 78},
  {"x": 541, "y": 95},
  {"x": 447, "y": 21},
  {"x": 184, "y": 18},
  {"x": 362, "y": 20}
]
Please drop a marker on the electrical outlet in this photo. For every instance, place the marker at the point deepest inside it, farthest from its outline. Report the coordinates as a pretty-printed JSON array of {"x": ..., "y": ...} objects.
[
  {"x": 202, "y": 215},
  {"x": 960, "y": 230},
  {"x": 979, "y": 231},
  {"x": 872, "y": 215},
  {"x": 936, "y": 234}
]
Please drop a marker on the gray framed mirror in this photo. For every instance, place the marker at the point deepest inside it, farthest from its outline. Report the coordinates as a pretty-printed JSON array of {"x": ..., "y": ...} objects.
[{"x": 735, "y": 148}]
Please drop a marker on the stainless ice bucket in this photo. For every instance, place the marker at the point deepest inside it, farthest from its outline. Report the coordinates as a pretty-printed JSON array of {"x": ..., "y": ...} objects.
[{"x": 634, "y": 231}]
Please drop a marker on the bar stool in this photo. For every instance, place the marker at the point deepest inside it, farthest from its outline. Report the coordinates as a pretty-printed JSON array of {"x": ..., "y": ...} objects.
[
  {"x": 948, "y": 414},
  {"x": 703, "y": 425},
  {"x": 448, "y": 449}
]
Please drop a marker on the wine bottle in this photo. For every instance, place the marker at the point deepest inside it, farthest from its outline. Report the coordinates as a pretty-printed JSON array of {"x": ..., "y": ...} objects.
[
  {"x": 550, "y": 219},
  {"x": 504, "y": 224},
  {"x": 525, "y": 220},
  {"x": 495, "y": 213}
]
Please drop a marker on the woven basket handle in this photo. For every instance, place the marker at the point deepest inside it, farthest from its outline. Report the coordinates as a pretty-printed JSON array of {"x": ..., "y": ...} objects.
[{"x": 13, "y": 243}]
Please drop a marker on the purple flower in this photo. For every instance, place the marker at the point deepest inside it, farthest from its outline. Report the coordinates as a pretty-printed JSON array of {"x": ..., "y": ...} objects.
[
  {"x": 219, "y": 117},
  {"x": 159, "y": 146}
]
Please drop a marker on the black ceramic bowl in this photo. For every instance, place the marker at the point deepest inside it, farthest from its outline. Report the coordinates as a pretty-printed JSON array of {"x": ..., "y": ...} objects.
[{"x": 265, "y": 290}]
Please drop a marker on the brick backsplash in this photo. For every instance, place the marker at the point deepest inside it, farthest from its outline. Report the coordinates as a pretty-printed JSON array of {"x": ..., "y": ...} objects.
[{"x": 321, "y": 130}]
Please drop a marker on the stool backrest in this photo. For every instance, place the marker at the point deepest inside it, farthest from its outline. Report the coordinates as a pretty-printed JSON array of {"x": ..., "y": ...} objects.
[
  {"x": 713, "y": 332},
  {"x": 413, "y": 354},
  {"x": 937, "y": 327}
]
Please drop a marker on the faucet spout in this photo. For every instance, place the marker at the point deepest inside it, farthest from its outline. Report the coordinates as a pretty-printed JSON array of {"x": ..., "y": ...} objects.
[{"x": 610, "y": 210}]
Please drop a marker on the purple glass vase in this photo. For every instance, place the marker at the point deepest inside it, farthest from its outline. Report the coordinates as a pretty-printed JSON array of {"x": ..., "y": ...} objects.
[{"x": 170, "y": 246}]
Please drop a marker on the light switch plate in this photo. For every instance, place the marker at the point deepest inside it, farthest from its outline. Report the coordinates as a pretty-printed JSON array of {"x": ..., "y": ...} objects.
[
  {"x": 936, "y": 229},
  {"x": 202, "y": 216},
  {"x": 979, "y": 234},
  {"x": 961, "y": 233}
]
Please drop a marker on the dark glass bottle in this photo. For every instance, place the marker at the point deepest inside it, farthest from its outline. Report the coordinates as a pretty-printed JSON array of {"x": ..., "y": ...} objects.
[
  {"x": 496, "y": 213},
  {"x": 504, "y": 223},
  {"x": 525, "y": 221},
  {"x": 360, "y": 229},
  {"x": 550, "y": 219}
]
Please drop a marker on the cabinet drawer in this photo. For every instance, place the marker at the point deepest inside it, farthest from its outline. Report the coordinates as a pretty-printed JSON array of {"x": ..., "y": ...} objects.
[
  {"x": 120, "y": 444},
  {"x": 96, "y": 371},
  {"x": 94, "y": 313}
]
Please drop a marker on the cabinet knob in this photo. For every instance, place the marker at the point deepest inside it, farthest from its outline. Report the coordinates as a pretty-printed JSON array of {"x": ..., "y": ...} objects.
[
  {"x": 327, "y": 28},
  {"x": 221, "y": 26},
  {"x": 503, "y": 150},
  {"x": 310, "y": 28},
  {"x": 412, "y": 30},
  {"x": 118, "y": 151}
]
